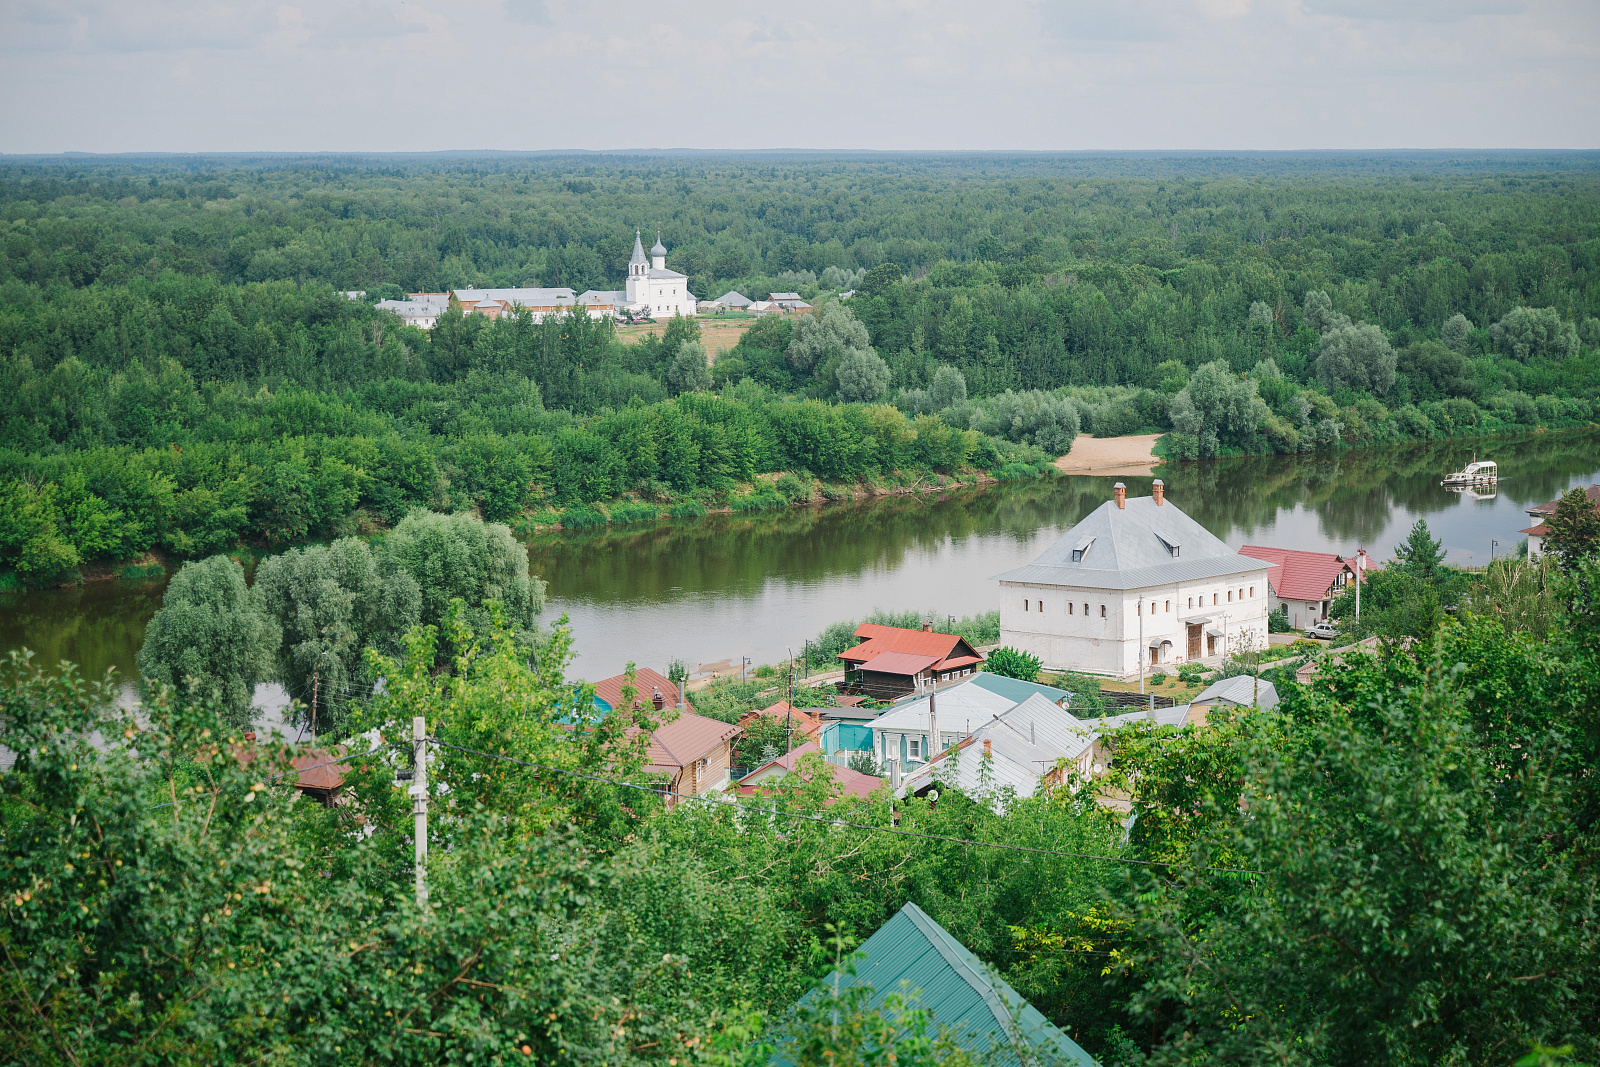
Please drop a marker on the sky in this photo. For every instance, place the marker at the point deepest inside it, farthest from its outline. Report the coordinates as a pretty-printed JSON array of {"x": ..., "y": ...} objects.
[{"x": 427, "y": 75}]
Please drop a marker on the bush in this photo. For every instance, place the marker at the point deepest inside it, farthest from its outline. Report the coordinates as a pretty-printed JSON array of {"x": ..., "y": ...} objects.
[
  {"x": 581, "y": 518},
  {"x": 626, "y": 513},
  {"x": 1012, "y": 663},
  {"x": 689, "y": 510}
]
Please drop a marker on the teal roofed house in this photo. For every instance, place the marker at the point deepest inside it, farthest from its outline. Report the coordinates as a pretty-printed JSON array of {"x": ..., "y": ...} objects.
[{"x": 913, "y": 954}]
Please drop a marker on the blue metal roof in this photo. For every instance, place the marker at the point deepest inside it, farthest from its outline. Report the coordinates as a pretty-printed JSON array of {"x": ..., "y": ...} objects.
[
  {"x": 1016, "y": 689},
  {"x": 913, "y": 954}
]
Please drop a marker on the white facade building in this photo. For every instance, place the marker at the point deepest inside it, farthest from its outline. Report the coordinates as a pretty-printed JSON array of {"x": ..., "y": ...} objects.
[
  {"x": 652, "y": 290},
  {"x": 422, "y": 313},
  {"x": 1137, "y": 584}
]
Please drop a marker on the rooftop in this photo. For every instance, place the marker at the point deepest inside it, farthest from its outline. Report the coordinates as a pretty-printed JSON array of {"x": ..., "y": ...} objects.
[
  {"x": 1593, "y": 493},
  {"x": 878, "y": 640},
  {"x": 1299, "y": 575},
  {"x": 1134, "y": 547},
  {"x": 852, "y": 782},
  {"x": 1243, "y": 690}
]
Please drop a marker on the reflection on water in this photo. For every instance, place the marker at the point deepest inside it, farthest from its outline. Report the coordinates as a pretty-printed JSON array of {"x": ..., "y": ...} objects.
[{"x": 731, "y": 586}]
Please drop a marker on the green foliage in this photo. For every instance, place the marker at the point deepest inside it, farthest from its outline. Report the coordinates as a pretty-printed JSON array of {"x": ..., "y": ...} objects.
[
  {"x": 212, "y": 639},
  {"x": 462, "y": 557},
  {"x": 863, "y": 377},
  {"x": 330, "y": 604},
  {"x": 1012, "y": 663},
  {"x": 689, "y": 372},
  {"x": 1420, "y": 555},
  {"x": 1574, "y": 528},
  {"x": 1217, "y": 410}
]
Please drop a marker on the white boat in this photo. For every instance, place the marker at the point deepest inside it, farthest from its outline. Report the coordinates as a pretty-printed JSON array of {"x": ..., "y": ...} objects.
[{"x": 1478, "y": 472}]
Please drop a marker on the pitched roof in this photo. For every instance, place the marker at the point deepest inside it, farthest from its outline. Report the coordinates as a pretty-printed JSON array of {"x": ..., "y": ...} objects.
[
  {"x": 784, "y": 296},
  {"x": 1298, "y": 575},
  {"x": 1012, "y": 750},
  {"x": 1243, "y": 690},
  {"x": 733, "y": 299},
  {"x": 676, "y": 744},
  {"x": 1135, "y": 547},
  {"x": 853, "y": 782},
  {"x": 808, "y": 722},
  {"x": 1541, "y": 530},
  {"x": 878, "y": 639},
  {"x": 1015, "y": 688},
  {"x": 1593, "y": 493},
  {"x": 664, "y": 274},
  {"x": 646, "y": 684},
  {"x": 965, "y": 997},
  {"x": 638, "y": 250},
  {"x": 906, "y": 663}
]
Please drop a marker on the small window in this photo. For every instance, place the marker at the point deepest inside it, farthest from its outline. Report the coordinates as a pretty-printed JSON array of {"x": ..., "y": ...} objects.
[
  {"x": 1191, "y": 602},
  {"x": 1252, "y": 592},
  {"x": 1102, "y": 611},
  {"x": 1086, "y": 609},
  {"x": 1070, "y": 606},
  {"x": 916, "y": 749},
  {"x": 1169, "y": 607},
  {"x": 1041, "y": 606},
  {"x": 1213, "y": 600},
  {"x": 1230, "y": 596},
  {"x": 1025, "y": 605}
]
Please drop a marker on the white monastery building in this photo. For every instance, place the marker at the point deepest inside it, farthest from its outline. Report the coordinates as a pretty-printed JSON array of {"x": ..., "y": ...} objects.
[
  {"x": 1136, "y": 584},
  {"x": 652, "y": 291}
]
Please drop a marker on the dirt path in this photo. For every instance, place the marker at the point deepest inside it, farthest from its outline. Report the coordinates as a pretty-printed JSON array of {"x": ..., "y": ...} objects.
[{"x": 1111, "y": 456}]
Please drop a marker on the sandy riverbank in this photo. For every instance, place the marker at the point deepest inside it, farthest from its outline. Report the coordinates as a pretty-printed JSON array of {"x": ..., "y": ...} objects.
[{"x": 1111, "y": 456}]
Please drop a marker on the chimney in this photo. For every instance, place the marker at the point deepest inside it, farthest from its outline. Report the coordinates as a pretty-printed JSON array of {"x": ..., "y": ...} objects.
[
  {"x": 657, "y": 700},
  {"x": 250, "y": 736},
  {"x": 933, "y": 720},
  {"x": 927, "y": 626},
  {"x": 1119, "y": 493},
  {"x": 894, "y": 774},
  {"x": 1158, "y": 489},
  {"x": 988, "y": 752}
]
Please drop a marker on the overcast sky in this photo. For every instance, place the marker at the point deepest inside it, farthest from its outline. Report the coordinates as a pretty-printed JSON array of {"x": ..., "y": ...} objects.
[{"x": 414, "y": 75}]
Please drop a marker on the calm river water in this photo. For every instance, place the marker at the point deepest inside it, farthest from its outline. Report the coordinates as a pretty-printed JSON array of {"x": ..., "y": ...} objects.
[{"x": 725, "y": 587}]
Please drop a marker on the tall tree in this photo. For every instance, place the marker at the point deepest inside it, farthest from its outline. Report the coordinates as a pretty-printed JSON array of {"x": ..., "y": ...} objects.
[
  {"x": 212, "y": 637},
  {"x": 1420, "y": 554},
  {"x": 461, "y": 556},
  {"x": 331, "y": 603},
  {"x": 1574, "y": 528}
]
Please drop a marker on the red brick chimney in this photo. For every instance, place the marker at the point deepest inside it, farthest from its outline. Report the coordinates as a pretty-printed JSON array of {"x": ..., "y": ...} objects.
[
  {"x": 927, "y": 626},
  {"x": 249, "y": 736},
  {"x": 1158, "y": 490},
  {"x": 657, "y": 700},
  {"x": 988, "y": 752},
  {"x": 1119, "y": 493}
]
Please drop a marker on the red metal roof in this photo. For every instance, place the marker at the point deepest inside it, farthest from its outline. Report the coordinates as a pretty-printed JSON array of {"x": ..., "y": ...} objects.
[
  {"x": 1297, "y": 575},
  {"x": 878, "y": 639},
  {"x": 804, "y": 720},
  {"x": 645, "y": 683},
  {"x": 1541, "y": 530},
  {"x": 853, "y": 782},
  {"x": 906, "y": 663},
  {"x": 1593, "y": 492}
]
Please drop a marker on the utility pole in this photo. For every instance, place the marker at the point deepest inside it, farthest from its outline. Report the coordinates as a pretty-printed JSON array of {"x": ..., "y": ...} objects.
[
  {"x": 419, "y": 806},
  {"x": 1361, "y": 559},
  {"x": 789, "y": 715},
  {"x": 1139, "y": 655}
]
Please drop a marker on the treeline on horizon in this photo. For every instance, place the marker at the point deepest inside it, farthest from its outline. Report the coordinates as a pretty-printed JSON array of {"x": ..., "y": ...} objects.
[{"x": 181, "y": 372}]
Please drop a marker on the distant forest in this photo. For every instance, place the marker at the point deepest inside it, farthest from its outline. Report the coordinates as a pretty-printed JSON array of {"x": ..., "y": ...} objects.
[{"x": 174, "y": 344}]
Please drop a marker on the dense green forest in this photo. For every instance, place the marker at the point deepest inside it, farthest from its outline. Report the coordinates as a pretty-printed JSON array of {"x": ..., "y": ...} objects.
[{"x": 180, "y": 372}]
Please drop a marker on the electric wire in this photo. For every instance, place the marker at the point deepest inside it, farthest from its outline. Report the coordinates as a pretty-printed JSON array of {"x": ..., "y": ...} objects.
[
  {"x": 297, "y": 770},
  {"x": 831, "y": 821}
]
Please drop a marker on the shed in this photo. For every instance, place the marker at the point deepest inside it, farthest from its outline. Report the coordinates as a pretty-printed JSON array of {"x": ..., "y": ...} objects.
[{"x": 966, "y": 999}]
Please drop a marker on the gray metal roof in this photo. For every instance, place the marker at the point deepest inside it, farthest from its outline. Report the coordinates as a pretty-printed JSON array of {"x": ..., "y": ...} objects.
[
  {"x": 658, "y": 249},
  {"x": 662, "y": 272},
  {"x": 1141, "y": 545},
  {"x": 524, "y": 296},
  {"x": 733, "y": 299},
  {"x": 638, "y": 250},
  {"x": 1241, "y": 689}
]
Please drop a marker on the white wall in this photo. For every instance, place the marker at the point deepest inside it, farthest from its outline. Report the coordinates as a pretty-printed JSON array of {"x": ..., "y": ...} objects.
[{"x": 1068, "y": 639}]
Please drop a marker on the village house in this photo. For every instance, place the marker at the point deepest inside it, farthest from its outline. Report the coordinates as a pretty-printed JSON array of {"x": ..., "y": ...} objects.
[
  {"x": 1240, "y": 691},
  {"x": 650, "y": 687},
  {"x": 892, "y": 661},
  {"x": 1137, "y": 584},
  {"x": 804, "y": 723},
  {"x": 695, "y": 752},
  {"x": 851, "y": 782},
  {"x": 729, "y": 301},
  {"x": 1304, "y": 584},
  {"x": 970, "y": 1005},
  {"x": 1541, "y": 526},
  {"x": 904, "y": 735}
]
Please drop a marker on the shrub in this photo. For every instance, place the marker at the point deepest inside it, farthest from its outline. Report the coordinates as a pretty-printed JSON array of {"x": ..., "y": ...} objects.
[
  {"x": 579, "y": 518},
  {"x": 626, "y": 513},
  {"x": 1012, "y": 663},
  {"x": 689, "y": 509}
]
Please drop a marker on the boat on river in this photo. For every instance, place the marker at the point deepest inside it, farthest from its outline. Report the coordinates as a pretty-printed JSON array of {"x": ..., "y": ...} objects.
[{"x": 1478, "y": 472}]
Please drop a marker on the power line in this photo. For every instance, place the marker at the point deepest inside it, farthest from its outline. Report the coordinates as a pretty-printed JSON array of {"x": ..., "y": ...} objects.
[
  {"x": 297, "y": 770},
  {"x": 842, "y": 822}
]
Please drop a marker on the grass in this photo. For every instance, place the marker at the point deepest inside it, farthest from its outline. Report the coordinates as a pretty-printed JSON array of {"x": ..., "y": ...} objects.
[
  {"x": 626, "y": 513},
  {"x": 145, "y": 572}
]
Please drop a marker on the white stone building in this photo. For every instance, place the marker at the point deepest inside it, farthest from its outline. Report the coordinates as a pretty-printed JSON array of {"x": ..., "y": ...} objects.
[
  {"x": 421, "y": 310},
  {"x": 652, "y": 290},
  {"x": 1137, "y": 584}
]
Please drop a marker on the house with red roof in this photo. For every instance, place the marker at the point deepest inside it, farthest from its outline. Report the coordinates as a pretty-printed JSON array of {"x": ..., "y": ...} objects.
[
  {"x": 696, "y": 752},
  {"x": 1541, "y": 522},
  {"x": 852, "y": 783},
  {"x": 649, "y": 687},
  {"x": 1303, "y": 585},
  {"x": 892, "y": 661},
  {"x": 806, "y": 723}
]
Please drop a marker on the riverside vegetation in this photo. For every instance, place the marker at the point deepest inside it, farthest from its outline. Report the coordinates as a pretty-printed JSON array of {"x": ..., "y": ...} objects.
[
  {"x": 181, "y": 375},
  {"x": 1394, "y": 866}
]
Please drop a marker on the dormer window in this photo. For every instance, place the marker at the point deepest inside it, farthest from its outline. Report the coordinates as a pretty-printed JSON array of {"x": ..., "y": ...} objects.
[
  {"x": 1082, "y": 549},
  {"x": 1173, "y": 550}
]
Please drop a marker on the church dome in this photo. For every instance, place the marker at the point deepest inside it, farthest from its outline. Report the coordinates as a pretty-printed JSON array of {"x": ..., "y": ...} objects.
[{"x": 659, "y": 249}]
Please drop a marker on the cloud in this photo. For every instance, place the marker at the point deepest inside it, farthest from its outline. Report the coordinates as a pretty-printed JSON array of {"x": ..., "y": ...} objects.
[
  {"x": 526, "y": 11},
  {"x": 1414, "y": 10}
]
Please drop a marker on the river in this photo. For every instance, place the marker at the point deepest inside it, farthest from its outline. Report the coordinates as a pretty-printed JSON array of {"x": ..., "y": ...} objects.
[{"x": 727, "y": 587}]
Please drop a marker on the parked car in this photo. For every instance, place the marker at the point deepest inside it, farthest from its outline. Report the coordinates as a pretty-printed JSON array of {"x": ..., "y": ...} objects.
[{"x": 1324, "y": 630}]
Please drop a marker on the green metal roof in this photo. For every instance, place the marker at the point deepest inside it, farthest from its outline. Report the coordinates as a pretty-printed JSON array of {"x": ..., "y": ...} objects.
[
  {"x": 1016, "y": 689},
  {"x": 912, "y": 953}
]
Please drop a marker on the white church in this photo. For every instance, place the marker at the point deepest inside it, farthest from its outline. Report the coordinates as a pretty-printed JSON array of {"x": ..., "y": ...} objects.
[
  {"x": 652, "y": 290},
  {"x": 1136, "y": 585}
]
